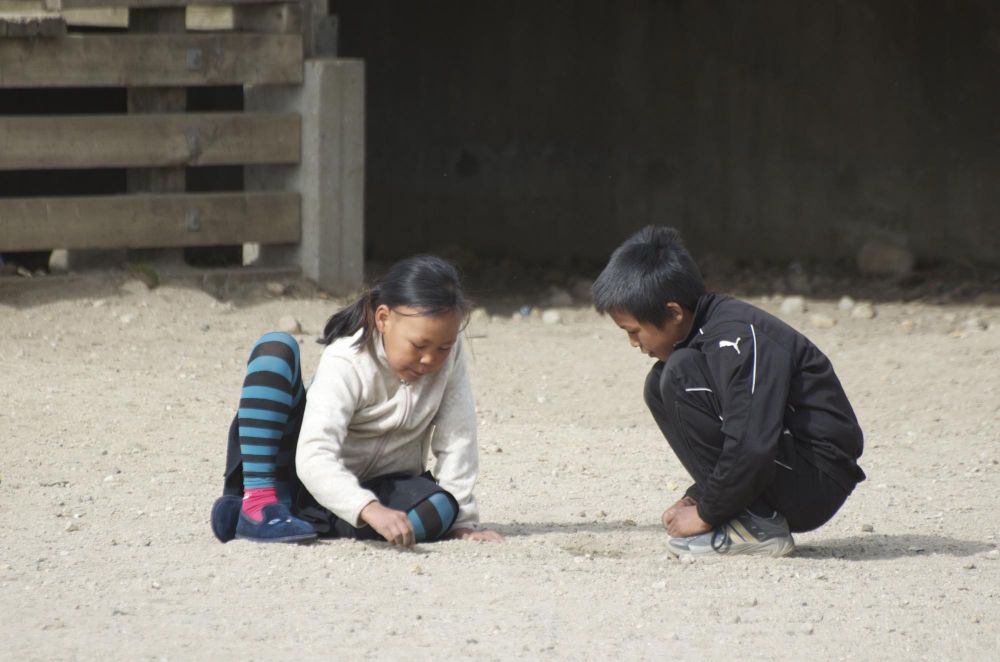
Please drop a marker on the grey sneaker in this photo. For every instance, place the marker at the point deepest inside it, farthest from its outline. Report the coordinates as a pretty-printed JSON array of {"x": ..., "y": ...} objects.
[
  {"x": 678, "y": 546},
  {"x": 744, "y": 534}
]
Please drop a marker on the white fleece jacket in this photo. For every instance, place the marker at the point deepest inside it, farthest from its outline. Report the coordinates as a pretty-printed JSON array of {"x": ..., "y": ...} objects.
[{"x": 362, "y": 421}]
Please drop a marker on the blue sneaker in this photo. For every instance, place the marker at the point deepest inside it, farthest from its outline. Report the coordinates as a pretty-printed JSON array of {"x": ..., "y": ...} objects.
[
  {"x": 225, "y": 515},
  {"x": 278, "y": 525}
]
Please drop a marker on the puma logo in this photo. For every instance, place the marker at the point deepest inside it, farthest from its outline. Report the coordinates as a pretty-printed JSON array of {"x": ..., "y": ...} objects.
[{"x": 735, "y": 345}]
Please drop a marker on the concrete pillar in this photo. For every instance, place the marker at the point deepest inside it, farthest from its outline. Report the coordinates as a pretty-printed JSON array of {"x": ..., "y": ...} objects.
[{"x": 330, "y": 175}]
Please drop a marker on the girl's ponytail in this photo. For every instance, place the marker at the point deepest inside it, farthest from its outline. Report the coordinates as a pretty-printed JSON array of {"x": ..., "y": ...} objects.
[
  {"x": 424, "y": 282},
  {"x": 347, "y": 321}
]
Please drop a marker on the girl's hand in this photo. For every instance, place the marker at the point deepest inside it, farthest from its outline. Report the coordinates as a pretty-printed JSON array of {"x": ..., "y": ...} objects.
[
  {"x": 471, "y": 534},
  {"x": 668, "y": 514},
  {"x": 393, "y": 525},
  {"x": 685, "y": 521}
]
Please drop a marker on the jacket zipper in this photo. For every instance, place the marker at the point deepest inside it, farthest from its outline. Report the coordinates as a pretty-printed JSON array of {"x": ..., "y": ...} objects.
[{"x": 385, "y": 438}]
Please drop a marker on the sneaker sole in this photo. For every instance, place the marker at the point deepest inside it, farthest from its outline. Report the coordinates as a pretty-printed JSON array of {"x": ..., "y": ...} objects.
[
  {"x": 774, "y": 548},
  {"x": 676, "y": 552}
]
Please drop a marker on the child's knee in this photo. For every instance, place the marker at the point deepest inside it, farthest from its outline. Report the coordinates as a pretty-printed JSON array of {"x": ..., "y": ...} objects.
[
  {"x": 279, "y": 345},
  {"x": 279, "y": 337},
  {"x": 665, "y": 377},
  {"x": 434, "y": 516},
  {"x": 651, "y": 391}
]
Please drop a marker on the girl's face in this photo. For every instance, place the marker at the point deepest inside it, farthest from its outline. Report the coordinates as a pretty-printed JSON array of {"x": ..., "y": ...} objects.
[{"x": 416, "y": 344}]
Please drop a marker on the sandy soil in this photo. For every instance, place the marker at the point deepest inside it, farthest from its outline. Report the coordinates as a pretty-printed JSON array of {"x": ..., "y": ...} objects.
[{"x": 116, "y": 401}]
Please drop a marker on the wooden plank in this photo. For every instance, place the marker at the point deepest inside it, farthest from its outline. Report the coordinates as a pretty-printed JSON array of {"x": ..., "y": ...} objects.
[
  {"x": 148, "y": 140},
  {"x": 108, "y": 17},
  {"x": 148, "y": 221},
  {"x": 211, "y": 18},
  {"x": 133, "y": 60},
  {"x": 283, "y": 19},
  {"x": 31, "y": 24},
  {"x": 58, "y": 5}
]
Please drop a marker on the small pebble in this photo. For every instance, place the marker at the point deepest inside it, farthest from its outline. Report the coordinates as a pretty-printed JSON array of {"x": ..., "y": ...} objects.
[
  {"x": 289, "y": 325},
  {"x": 907, "y": 326},
  {"x": 275, "y": 288},
  {"x": 551, "y": 317},
  {"x": 867, "y": 528},
  {"x": 969, "y": 565},
  {"x": 846, "y": 304},
  {"x": 863, "y": 310},
  {"x": 416, "y": 569},
  {"x": 155, "y": 585},
  {"x": 793, "y": 306},
  {"x": 822, "y": 321}
]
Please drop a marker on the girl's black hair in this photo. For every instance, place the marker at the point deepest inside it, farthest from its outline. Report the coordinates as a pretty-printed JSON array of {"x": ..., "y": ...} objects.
[
  {"x": 650, "y": 269},
  {"x": 425, "y": 282}
]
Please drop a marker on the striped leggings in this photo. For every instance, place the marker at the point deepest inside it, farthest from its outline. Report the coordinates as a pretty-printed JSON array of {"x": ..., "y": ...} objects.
[{"x": 261, "y": 451}]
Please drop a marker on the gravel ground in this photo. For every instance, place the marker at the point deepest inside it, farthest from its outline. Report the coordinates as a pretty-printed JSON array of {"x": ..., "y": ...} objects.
[{"x": 117, "y": 400}]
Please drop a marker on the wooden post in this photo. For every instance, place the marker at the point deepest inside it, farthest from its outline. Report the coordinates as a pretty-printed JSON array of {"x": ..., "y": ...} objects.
[
  {"x": 157, "y": 100},
  {"x": 330, "y": 174}
]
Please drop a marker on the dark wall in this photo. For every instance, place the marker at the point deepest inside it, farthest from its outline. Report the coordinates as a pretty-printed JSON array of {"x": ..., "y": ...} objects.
[{"x": 782, "y": 129}]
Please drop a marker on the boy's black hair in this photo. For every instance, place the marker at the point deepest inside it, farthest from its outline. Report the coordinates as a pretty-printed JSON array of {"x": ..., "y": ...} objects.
[
  {"x": 425, "y": 282},
  {"x": 650, "y": 269}
]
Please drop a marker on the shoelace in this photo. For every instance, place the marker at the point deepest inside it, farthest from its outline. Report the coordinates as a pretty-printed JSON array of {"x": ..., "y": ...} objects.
[{"x": 721, "y": 535}]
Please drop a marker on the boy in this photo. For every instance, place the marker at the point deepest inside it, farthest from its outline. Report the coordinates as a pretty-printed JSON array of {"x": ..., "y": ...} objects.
[{"x": 751, "y": 408}]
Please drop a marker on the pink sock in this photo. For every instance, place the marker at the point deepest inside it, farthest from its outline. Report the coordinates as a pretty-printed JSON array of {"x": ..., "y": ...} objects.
[{"x": 254, "y": 501}]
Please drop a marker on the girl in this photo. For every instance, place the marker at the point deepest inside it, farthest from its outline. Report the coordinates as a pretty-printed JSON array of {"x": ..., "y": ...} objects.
[{"x": 391, "y": 386}]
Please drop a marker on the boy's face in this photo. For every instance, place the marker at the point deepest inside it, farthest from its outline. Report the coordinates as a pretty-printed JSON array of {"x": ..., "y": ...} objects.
[{"x": 655, "y": 341}]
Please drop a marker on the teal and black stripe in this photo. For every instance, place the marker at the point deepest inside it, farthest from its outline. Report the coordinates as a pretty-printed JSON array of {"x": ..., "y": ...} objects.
[
  {"x": 270, "y": 413},
  {"x": 432, "y": 517}
]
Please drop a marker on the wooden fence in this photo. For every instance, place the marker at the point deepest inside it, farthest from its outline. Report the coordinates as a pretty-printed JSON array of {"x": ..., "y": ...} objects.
[{"x": 157, "y": 60}]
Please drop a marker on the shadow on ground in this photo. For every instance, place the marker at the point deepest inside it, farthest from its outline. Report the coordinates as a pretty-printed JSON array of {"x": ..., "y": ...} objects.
[
  {"x": 516, "y": 529},
  {"x": 873, "y": 547}
]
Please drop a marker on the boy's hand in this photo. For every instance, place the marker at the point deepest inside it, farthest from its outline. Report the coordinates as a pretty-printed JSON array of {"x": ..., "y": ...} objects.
[
  {"x": 471, "y": 534},
  {"x": 668, "y": 514},
  {"x": 393, "y": 525},
  {"x": 685, "y": 521}
]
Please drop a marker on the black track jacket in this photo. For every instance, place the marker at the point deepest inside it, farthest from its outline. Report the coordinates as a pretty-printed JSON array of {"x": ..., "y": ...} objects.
[{"x": 770, "y": 381}]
